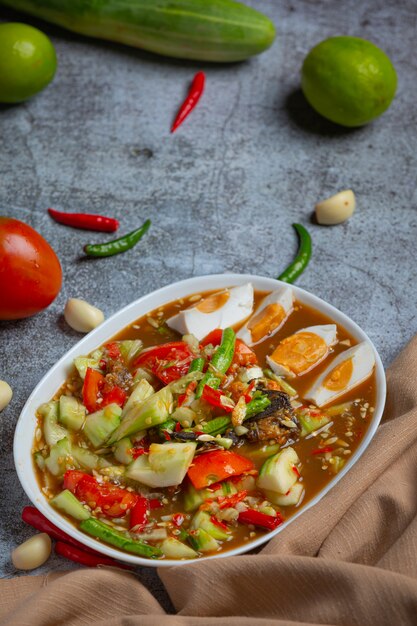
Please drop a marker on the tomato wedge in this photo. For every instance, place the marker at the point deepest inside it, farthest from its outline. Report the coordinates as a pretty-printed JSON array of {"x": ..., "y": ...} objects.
[
  {"x": 93, "y": 382},
  {"x": 113, "y": 501},
  {"x": 168, "y": 361},
  {"x": 213, "y": 467}
]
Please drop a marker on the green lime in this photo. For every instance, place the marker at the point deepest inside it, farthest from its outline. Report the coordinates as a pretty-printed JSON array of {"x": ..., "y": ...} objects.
[
  {"x": 27, "y": 61},
  {"x": 348, "y": 80}
]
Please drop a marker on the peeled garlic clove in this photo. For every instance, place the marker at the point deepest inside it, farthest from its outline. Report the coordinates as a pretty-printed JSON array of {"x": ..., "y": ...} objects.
[
  {"x": 336, "y": 209},
  {"x": 32, "y": 553},
  {"x": 81, "y": 315},
  {"x": 6, "y": 394}
]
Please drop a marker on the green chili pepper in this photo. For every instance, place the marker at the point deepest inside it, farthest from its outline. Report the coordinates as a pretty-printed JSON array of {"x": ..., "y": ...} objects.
[
  {"x": 220, "y": 362},
  {"x": 197, "y": 365},
  {"x": 300, "y": 262},
  {"x": 219, "y": 425},
  {"x": 117, "y": 245}
]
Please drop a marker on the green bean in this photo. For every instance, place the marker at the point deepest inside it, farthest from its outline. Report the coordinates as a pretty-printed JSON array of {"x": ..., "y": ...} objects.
[
  {"x": 220, "y": 362},
  {"x": 197, "y": 365},
  {"x": 219, "y": 425},
  {"x": 297, "y": 267}
]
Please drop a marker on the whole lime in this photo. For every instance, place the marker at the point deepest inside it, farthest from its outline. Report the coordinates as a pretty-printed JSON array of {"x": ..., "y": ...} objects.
[
  {"x": 348, "y": 80},
  {"x": 27, "y": 61}
]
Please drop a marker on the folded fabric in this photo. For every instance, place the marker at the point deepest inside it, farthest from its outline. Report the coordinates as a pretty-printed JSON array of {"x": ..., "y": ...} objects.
[{"x": 350, "y": 560}]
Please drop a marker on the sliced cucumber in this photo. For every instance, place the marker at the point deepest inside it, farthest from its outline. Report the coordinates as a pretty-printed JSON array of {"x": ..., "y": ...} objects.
[
  {"x": 202, "y": 520},
  {"x": 85, "y": 457},
  {"x": 71, "y": 412},
  {"x": 277, "y": 473},
  {"x": 141, "y": 391},
  {"x": 193, "y": 498},
  {"x": 202, "y": 541},
  {"x": 123, "y": 451},
  {"x": 68, "y": 503},
  {"x": 100, "y": 425},
  {"x": 174, "y": 549},
  {"x": 309, "y": 423},
  {"x": 60, "y": 458},
  {"x": 82, "y": 363},
  {"x": 164, "y": 466},
  {"x": 291, "y": 498},
  {"x": 151, "y": 412},
  {"x": 130, "y": 348},
  {"x": 52, "y": 431},
  {"x": 39, "y": 460}
]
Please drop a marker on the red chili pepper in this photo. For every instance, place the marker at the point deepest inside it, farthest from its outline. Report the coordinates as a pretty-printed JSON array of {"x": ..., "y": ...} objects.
[
  {"x": 322, "y": 450},
  {"x": 217, "y": 398},
  {"x": 166, "y": 435},
  {"x": 137, "y": 452},
  {"x": 178, "y": 519},
  {"x": 250, "y": 516},
  {"x": 231, "y": 501},
  {"x": 177, "y": 427},
  {"x": 86, "y": 221},
  {"x": 154, "y": 503},
  {"x": 86, "y": 558},
  {"x": 37, "y": 520},
  {"x": 188, "y": 391},
  {"x": 218, "y": 523},
  {"x": 190, "y": 102},
  {"x": 116, "y": 395},
  {"x": 139, "y": 514},
  {"x": 249, "y": 392},
  {"x": 295, "y": 470}
]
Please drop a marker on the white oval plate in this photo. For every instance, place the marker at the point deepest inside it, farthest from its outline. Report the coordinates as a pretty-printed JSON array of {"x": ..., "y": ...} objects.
[{"x": 26, "y": 425}]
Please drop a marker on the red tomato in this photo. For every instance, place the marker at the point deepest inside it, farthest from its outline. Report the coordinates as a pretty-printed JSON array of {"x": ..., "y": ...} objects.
[
  {"x": 168, "y": 361},
  {"x": 30, "y": 272},
  {"x": 139, "y": 514},
  {"x": 213, "y": 467},
  {"x": 114, "y": 501},
  {"x": 93, "y": 382}
]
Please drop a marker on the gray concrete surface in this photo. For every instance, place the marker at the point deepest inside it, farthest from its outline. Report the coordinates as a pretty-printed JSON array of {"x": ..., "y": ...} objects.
[{"x": 222, "y": 192}]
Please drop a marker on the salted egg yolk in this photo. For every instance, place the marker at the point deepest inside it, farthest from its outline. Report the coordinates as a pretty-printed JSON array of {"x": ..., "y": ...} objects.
[
  {"x": 338, "y": 379},
  {"x": 299, "y": 352},
  {"x": 265, "y": 322}
]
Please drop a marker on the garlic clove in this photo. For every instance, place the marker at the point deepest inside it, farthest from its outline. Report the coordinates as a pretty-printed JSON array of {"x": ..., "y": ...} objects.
[
  {"x": 336, "y": 209},
  {"x": 6, "y": 394},
  {"x": 81, "y": 315},
  {"x": 32, "y": 553}
]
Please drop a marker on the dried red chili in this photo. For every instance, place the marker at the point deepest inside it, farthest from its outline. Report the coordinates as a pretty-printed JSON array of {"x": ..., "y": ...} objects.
[{"x": 190, "y": 102}]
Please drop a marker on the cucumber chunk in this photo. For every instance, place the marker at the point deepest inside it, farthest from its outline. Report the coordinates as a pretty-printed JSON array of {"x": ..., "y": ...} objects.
[
  {"x": 147, "y": 414},
  {"x": 106, "y": 533},
  {"x": 291, "y": 498},
  {"x": 60, "y": 458},
  {"x": 99, "y": 425},
  {"x": 71, "y": 412},
  {"x": 140, "y": 393},
  {"x": 193, "y": 497},
  {"x": 202, "y": 541},
  {"x": 85, "y": 457},
  {"x": 202, "y": 520},
  {"x": 68, "y": 503},
  {"x": 174, "y": 549},
  {"x": 52, "y": 431},
  {"x": 123, "y": 451},
  {"x": 82, "y": 363},
  {"x": 166, "y": 464},
  {"x": 277, "y": 473},
  {"x": 309, "y": 423},
  {"x": 39, "y": 460}
]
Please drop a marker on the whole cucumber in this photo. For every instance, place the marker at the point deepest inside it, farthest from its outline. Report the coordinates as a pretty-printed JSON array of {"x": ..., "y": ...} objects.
[{"x": 204, "y": 30}]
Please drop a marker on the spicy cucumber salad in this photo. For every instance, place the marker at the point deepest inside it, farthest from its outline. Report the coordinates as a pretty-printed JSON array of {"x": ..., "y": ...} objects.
[{"x": 204, "y": 424}]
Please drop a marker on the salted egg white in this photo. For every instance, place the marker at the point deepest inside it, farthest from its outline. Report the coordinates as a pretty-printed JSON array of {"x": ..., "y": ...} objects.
[
  {"x": 269, "y": 317},
  {"x": 299, "y": 353},
  {"x": 219, "y": 310},
  {"x": 346, "y": 371}
]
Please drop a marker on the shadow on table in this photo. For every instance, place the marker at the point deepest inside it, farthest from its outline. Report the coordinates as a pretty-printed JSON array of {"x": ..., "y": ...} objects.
[{"x": 305, "y": 117}]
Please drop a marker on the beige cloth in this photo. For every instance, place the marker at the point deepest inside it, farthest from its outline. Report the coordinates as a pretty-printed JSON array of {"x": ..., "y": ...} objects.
[{"x": 350, "y": 560}]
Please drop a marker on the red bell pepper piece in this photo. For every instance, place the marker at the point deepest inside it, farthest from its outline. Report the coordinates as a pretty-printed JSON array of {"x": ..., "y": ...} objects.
[
  {"x": 250, "y": 516},
  {"x": 93, "y": 383},
  {"x": 139, "y": 514},
  {"x": 217, "y": 398},
  {"x": 213, "y": 467},
  {"x": 168, "y": 361}
]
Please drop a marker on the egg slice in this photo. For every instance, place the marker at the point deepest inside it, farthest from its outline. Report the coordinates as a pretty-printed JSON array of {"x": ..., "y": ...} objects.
[
  {"x": 348, "y": 369},
  {"x": 219, "y": 310},
  {"x": 268, "y": 317},
  {"x": 299, "y": 353}
]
